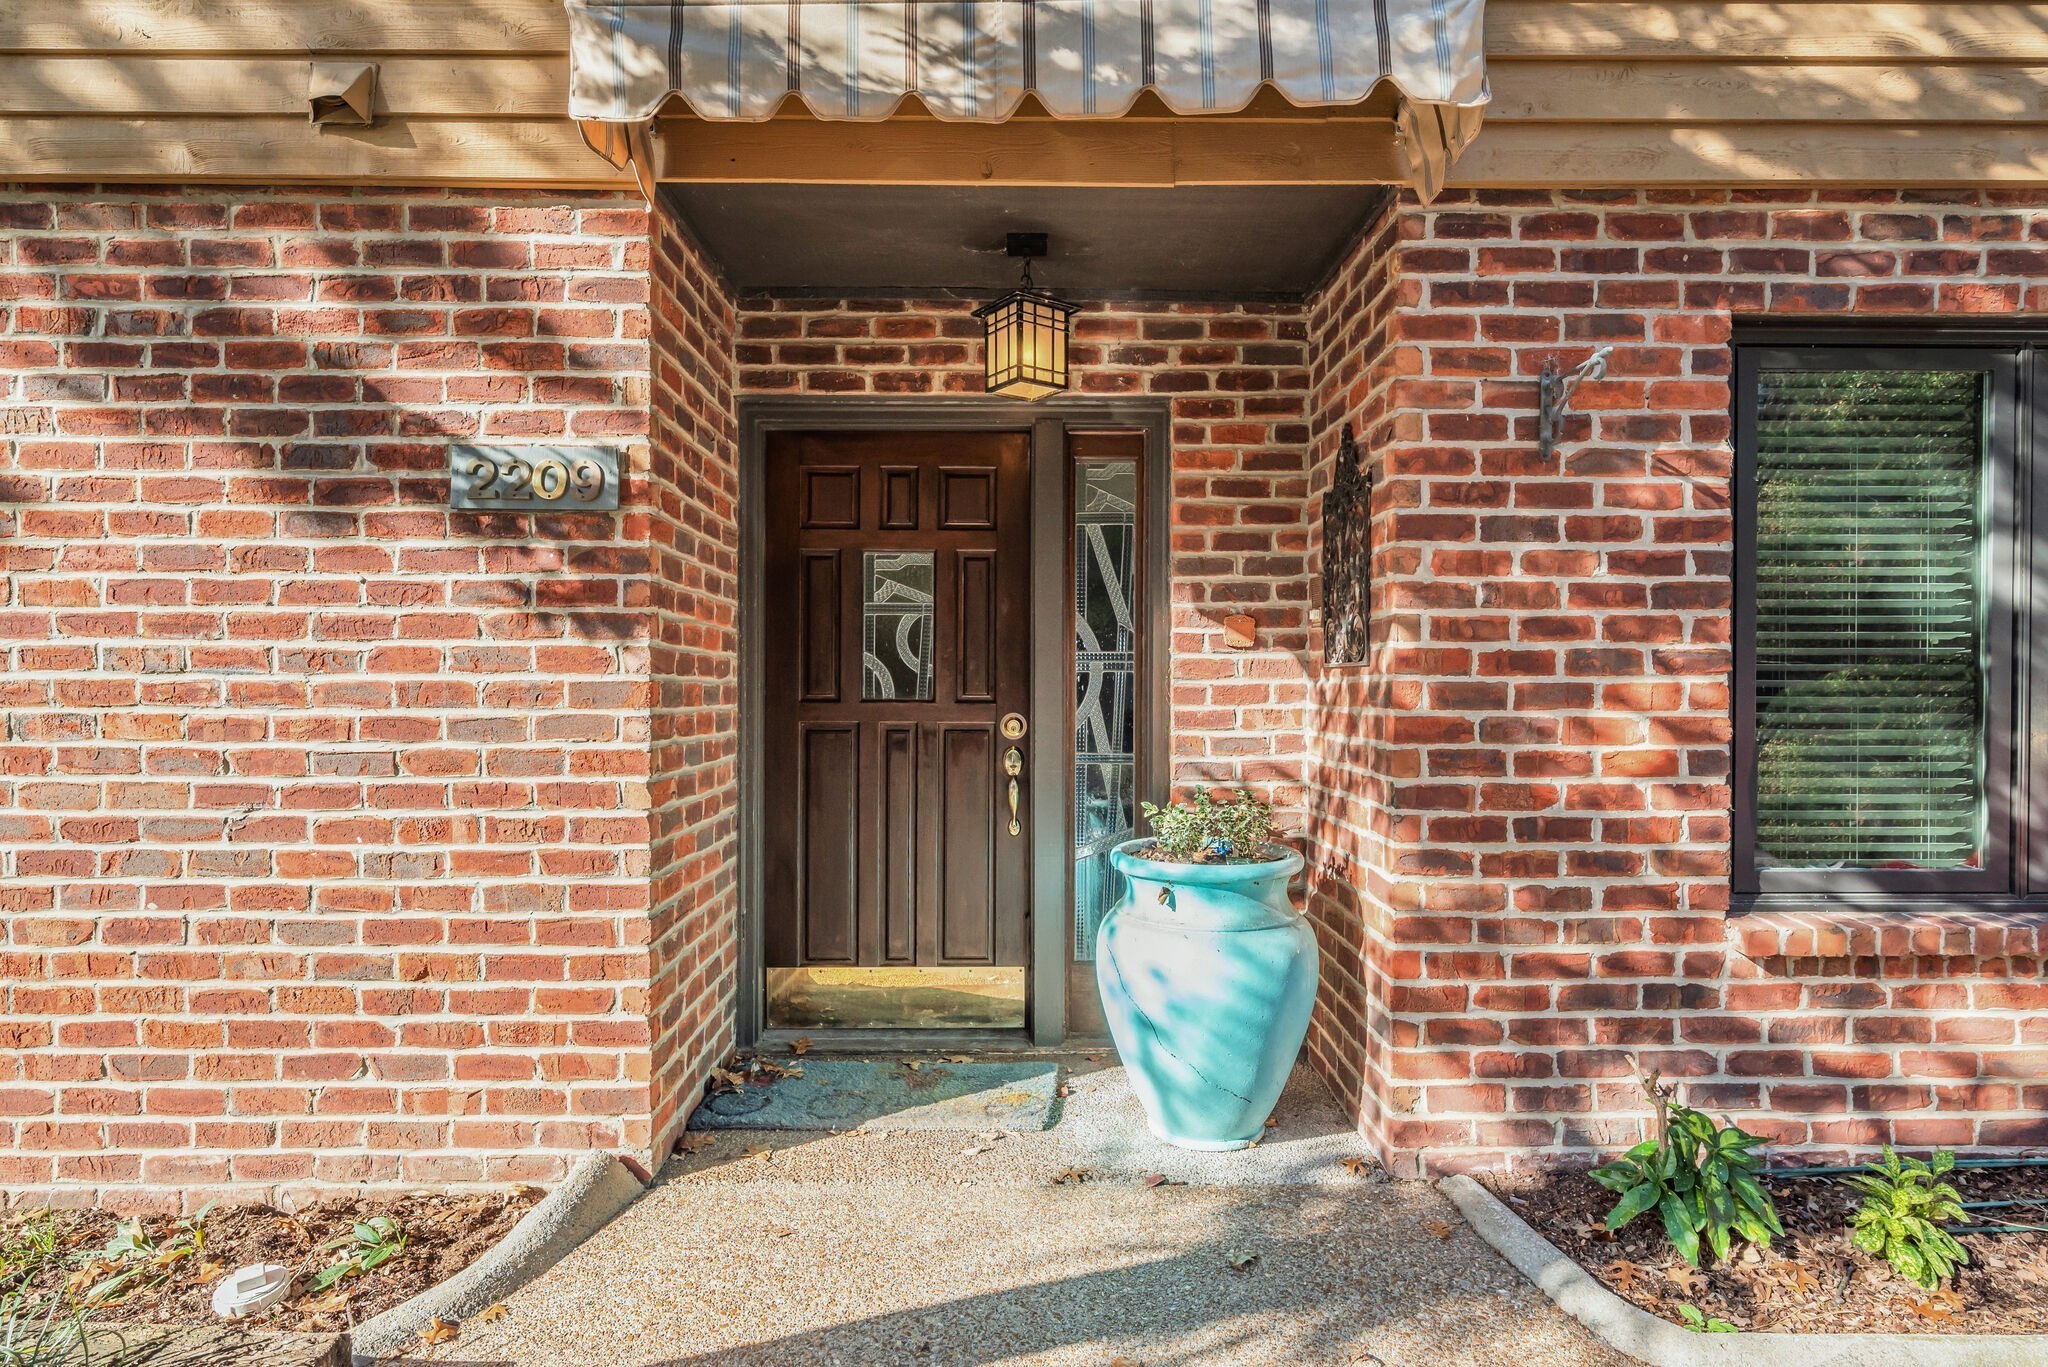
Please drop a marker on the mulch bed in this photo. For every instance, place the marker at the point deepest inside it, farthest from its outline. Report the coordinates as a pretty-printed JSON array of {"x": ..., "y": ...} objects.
[
  {"x": 1812, "y": 1281},
  {"x": 444, "y": 1234}
]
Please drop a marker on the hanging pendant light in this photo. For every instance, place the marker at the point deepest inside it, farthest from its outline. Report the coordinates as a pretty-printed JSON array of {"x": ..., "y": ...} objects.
[{"x": 1025, "y": 332}]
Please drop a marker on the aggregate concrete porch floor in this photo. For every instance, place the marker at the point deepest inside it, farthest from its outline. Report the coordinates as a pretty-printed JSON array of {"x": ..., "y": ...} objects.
[{"x": 950, "y": 1248}]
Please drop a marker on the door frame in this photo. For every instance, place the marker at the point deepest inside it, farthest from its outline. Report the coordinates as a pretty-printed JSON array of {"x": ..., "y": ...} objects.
[{"x": 1052, "y": 684}]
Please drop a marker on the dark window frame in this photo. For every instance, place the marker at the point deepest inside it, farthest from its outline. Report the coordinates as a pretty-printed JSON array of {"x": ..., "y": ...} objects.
[{"x": 2015, "y": 874}]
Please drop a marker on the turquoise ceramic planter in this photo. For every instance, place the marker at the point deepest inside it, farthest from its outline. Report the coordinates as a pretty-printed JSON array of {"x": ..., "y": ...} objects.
[{"x": 1208, "y": 975}]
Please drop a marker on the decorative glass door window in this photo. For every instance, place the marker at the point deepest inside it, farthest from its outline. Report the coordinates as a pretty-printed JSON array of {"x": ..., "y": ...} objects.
[
  {"x": 896, "y": 625},
  {"x": 1105, "y": 685}
]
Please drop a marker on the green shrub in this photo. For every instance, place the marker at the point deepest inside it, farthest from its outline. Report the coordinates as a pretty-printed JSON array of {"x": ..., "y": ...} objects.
[
  {"x": 1904, "y": 1205},
  {"x": 1698, "y": 1177},
  {"x": 1206, "y": 831}
]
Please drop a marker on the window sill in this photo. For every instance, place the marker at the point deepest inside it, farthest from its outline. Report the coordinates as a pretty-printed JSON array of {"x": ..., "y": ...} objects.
[{"x": 1804, "y": 927}]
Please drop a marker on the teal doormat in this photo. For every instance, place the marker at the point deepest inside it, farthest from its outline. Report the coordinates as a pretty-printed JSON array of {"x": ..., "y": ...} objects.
[{"x": 849, "y": 1094}]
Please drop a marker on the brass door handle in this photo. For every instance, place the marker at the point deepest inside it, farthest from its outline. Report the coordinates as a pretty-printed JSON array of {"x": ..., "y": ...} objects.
[{"x": 1013, "y": 765}]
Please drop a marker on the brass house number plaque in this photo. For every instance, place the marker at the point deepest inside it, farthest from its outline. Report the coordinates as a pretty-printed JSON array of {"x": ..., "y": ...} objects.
[{"x": 539, "y": 479}]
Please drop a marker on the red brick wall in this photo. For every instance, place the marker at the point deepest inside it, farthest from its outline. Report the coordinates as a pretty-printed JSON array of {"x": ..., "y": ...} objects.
[
  {"x": 1539, "y": 880},
  {"x": 1236, "y": 377},
  {"x": 1351, "y": 337},
  {"x": 324, "y": 812},
  {"x": 695, "y": 779}
]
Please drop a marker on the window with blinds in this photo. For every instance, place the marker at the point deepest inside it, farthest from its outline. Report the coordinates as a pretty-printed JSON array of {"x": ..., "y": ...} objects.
[{"x": 1870, "y": 612}]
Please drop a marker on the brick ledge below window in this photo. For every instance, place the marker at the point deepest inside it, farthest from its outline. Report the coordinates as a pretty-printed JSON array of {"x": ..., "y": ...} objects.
[{"x": 2005, "y": 930}]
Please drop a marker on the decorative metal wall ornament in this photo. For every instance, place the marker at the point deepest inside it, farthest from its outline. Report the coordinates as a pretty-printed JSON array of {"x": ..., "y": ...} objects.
[
  {"x": 1347, "y": 558},
  {"x": 1554, "y": 391},
  {"x": 1025, "y": 332}
]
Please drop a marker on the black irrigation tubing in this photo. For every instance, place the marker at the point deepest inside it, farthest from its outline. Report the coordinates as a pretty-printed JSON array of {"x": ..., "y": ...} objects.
[{"x": 1962, "y": 1164}]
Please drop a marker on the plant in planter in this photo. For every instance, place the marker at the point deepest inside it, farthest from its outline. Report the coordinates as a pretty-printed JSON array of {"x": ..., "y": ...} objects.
[
  {"x": 1207, "y": 972},
  {"x": 1904, "y": 1205}
]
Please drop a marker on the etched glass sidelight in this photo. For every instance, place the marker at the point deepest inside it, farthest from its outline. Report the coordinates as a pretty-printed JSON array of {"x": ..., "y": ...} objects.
[
  {"x": 1105, "y": 685},
  {"x": 896, "y": 626}
]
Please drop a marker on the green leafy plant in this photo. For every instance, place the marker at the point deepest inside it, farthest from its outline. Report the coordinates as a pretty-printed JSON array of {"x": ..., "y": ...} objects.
[
  {"x": 1905, "y": 1203},
  {"x": 369, "y": 1245},
  {"x": 36, "y": 1327},
  {"x": 140, "y": 1260},
  {"x": 1701, "y": 1323},
  {"x": 1700, "y": 1178},
  {"x": 1205, "y": 831}
]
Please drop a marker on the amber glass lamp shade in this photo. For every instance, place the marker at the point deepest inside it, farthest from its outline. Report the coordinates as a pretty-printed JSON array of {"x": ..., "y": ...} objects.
[{"x": 1026, "y": 336}]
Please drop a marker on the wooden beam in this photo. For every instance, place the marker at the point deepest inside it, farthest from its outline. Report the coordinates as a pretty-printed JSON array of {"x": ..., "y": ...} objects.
[
  {"x": 1708, "y": 92},
  {"x": 286, "y": 151},
  {"x": 1798, "y": 29},
  {"x": 1789, "y": 31},
  {"x": 142, "y": 84},
  {"x": 1538, "y": 155},
  {"x": 284, "y": 26},
  {"x": 1031, "y": 152}
]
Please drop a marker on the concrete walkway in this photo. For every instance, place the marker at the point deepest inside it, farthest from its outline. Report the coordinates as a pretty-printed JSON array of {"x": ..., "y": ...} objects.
[{"x": 951, "y": 1248}]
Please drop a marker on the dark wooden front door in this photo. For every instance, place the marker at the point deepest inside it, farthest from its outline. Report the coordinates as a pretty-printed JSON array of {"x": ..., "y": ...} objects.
[{"x": 897, "y": 619}]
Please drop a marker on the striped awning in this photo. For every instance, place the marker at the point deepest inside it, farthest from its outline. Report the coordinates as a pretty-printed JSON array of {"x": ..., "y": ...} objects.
[{"x": 1083, "y": 59}]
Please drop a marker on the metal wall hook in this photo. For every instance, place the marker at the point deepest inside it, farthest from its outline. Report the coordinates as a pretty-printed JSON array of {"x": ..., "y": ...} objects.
[{"x": 1554, "y": 391}]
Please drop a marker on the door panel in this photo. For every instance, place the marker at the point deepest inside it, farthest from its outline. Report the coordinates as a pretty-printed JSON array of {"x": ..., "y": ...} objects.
[
  {"x": 828, "y": 784},
  {"x": 898, "y": 624}
]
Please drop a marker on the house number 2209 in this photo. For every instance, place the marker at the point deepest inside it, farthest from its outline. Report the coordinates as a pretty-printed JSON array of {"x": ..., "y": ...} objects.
[{"x": 552, "y": 479}]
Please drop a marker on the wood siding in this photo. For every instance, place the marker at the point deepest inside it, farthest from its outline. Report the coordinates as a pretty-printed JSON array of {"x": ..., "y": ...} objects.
[{"x": 1585, "y": 92}]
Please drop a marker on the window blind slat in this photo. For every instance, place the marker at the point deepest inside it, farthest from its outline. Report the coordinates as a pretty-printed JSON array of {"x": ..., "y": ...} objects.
[{"x": 1869, "y": 681}]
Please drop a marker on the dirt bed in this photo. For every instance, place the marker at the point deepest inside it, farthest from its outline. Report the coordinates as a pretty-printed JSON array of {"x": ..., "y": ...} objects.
[
  {"x": 1814, "y": 1280},
  {"x": 176, "y": 1281}
]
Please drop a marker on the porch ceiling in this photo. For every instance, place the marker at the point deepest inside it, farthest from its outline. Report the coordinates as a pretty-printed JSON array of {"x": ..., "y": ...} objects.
[{"x": 1246, "y": 243}]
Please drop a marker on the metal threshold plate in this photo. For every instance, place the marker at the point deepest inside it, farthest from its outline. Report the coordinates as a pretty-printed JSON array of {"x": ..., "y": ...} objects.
[{"x": 896, "y": 998}]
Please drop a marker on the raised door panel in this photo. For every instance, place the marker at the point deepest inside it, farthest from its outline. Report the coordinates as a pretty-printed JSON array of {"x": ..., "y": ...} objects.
[
  {"x": 965, "y": 760},
  {"x": 897, "y": 815},
  {"x": 828, "y": 877}
]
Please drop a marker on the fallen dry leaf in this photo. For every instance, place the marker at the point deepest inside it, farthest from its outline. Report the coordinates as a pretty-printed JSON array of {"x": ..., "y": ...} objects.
[
  {"x": 694, "y": 1142},
  {"x": 1071, "y": 1176},
  {"x": 1443, "y": 1229},
  {"x": 1242, "y": 1262},
  {"x": 1272, "y": 1122},
  {"x": 760, "y": 1151},
  {"x": 1934, "y": 1311},
  {"x": 491, "y": 1313},
  {"x": 1686, "y": 1279},
  {"x": 331, "y": 1302},
  {"x": 958, "y": 1058},
  {"x": 1154, "y": 1179},
  {"x": 1358, "y": 1167},
  {"x": 1623, "y": 1274},
  {"x": 209, "y": 1272},
  {"x": 724, "y": 1080},
  {"x": 439, "y": 1331},
  {"x": 973, "y": 1150},
  {"x": 800, "y": 1047},
  {"x": 777, "y": 1231}
]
